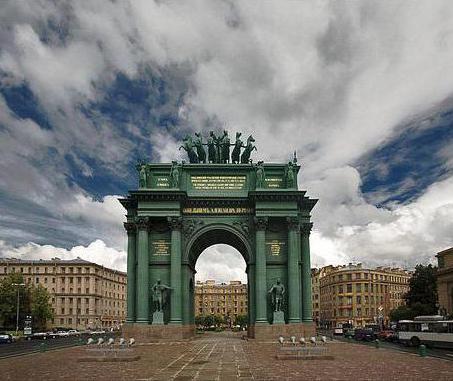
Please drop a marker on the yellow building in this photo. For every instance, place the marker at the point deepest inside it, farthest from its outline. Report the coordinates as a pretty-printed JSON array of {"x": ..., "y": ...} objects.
[
  {"x": 445, "y": 281},
  {"x": 358, "y": 296},
  {"x": 228, "y": 300},
  {"x": 315, "y": 296},
  {"x": 83, "y": 294}
]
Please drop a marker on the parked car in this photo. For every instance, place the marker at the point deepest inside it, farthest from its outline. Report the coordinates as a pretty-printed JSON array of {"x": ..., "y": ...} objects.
[
  {"x": 39, "y": 336},
  {"x": 5, "y": 338},
  {"x": 349, "y": 333},
  {"x": 73, "y": 332},
  {"x": 364, "y": 335},
  {"x": 387, "y": 335},
  {"x": 62, "y": 334}
]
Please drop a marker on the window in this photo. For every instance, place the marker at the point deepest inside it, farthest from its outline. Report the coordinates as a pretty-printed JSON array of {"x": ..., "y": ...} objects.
[
  {"x": 37, "y": 280},
  {"x": 366, "y": 287},
  {"x": 358, "y": 287},
  {"x": 359, "y": 299},
  {"x": 349, "y": 287}
]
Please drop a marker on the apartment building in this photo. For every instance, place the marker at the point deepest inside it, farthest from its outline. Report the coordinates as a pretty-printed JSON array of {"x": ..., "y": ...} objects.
[
  {"x": 445, "y": 281},
  {"x": 356, "y": 295},
  {"x": 83, "y": 294},
  {"x": 223, "y": 299}
]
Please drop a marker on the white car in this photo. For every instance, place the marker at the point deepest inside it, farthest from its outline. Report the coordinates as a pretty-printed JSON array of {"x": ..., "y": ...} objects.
[
  {"x": 62, "y": 333},
  {"x": 73, "y": 332}
]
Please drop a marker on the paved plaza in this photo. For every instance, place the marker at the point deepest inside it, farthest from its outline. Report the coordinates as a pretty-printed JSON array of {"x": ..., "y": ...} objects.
[{"x": 226, "y": 356}]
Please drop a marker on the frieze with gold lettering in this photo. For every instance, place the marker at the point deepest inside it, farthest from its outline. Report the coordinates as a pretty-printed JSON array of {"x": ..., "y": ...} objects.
[
  {"x": 217, "y": 210},
  {"x": 218, "y": 182}
]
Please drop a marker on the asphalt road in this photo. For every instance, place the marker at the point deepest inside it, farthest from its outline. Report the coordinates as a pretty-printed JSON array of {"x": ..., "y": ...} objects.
[
  {"x": 25, "y": 347},
  {"x": 446, "y": 354}
]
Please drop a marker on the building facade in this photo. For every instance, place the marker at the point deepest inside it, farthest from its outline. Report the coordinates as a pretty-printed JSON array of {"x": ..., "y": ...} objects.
[
  {"x": 358, "y": 296},
  {"x": 315, "y": 296},
  {"x": 83, "y": 294},
  {"x": 227, "y": 300},
  {"x": 445, "y": 281}
]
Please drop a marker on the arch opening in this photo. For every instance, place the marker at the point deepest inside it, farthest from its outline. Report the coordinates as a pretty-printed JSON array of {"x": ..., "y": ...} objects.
[{"x": 219, "y": 259}]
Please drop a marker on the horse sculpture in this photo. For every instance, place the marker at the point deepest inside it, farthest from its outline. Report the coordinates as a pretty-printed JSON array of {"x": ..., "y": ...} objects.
[
  {"x": 245, "y": 157},
  {"x": 188, "y": 147}
]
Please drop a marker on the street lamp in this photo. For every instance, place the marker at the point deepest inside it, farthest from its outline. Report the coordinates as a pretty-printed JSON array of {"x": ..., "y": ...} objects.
[{"x": 17, "y": 309}]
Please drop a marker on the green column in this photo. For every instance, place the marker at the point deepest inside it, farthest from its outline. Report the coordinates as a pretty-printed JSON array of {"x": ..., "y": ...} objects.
[
  {"x": 293, "y": 271},
  {"x": 306, "y": 273},
  {"x": 260, "y": 271},
  {"x": 143, "y": 271},
  {"x": 175, "y": 271},
  {"x": 131, "y": 270}
]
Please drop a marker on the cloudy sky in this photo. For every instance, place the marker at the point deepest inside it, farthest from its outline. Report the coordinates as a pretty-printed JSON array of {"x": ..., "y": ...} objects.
[{"x": 362, "y": 90}]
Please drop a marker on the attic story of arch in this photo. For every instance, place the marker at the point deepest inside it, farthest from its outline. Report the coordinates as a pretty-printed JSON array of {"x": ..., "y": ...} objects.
[{"x": 219, "y": 153}]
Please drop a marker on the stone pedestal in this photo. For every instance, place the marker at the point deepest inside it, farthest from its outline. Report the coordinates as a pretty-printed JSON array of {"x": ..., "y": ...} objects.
[
  {"x": 279, "y": 317},
  {"x": 271, "y": 332},
  {"x": 158, "y": 318},
  {"x": 148, "y": 333}
]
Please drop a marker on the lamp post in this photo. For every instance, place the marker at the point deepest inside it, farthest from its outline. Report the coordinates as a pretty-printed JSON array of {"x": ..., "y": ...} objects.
[{"x": 17, "y": 308}]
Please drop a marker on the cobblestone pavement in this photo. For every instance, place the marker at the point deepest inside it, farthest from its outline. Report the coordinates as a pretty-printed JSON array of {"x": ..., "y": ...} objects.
[{"x": 226, "y": 357}]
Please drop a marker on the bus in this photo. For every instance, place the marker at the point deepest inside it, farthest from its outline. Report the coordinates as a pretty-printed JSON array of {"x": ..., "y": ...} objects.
[{"x": 433, "y": 331}]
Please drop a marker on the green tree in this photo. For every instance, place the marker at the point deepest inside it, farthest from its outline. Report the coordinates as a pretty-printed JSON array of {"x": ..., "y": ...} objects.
[
  {"x": 241, "y": 320},
  {"x": 401, "y": 313},
  {"x": 8, "y": 301},
  {"x": 218, "y": 320},
  {"x": 41, "y": 310},
  {"x": 199, "y": 320},
  {"x": 208, "y": 321},
  {"x": 422, "y": 295}
]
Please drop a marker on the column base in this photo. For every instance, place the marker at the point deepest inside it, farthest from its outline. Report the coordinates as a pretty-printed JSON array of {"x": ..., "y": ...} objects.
[
  {"x": 175, "y": 322},
  {"x": 142, "y": 321},
  {"x": 157, "y": 333},
  {"x": 130, "y": 320},
  {"x": 273, "y": 332},
  {"x": 294, "y": 321}
]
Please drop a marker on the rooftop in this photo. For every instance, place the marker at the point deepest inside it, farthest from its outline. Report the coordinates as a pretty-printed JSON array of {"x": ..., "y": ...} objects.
[{"x": 54, "y": 261}]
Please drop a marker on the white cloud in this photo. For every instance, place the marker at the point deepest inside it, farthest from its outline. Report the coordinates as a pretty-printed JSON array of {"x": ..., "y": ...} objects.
[
  {"x": 330, "y": 79},
  {"x": 96, "y": 252},
  {"x": 221, "y": 263}
]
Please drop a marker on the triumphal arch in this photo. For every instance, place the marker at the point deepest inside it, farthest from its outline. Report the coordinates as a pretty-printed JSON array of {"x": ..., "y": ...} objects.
[{"x": 219, "y": 196}]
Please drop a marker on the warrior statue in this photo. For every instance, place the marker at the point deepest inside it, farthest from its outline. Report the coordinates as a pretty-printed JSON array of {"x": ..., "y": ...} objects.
[
  {"x": 188, "y": 147},
  {"x": 212, "y": 151},
  {"x": 290, "y": 175},
  {"x": 225, "y": 148},
  {"x": 259, "y": 175},
  {"x": 237, "y": 149},
  {"x": 158, "y": 295},
  {"x": 142, "y": 176},
  {"x": 174, "y": 175},
  {"x": 198, "y": 142},
  {"x": 248, "y": 150},
  {"x": 277, "y": 291}
]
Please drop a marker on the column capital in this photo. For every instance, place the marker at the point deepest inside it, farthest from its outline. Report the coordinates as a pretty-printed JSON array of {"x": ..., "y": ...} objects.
[
  {"x": 261, "y": 223},
  {"x": 175, "y": 223},
  {"x": 130, "y": 227},
  {"x": 293, "y": 223},
  {"x": 306, "y": 228},
  {"x": 142, "y": 223}
]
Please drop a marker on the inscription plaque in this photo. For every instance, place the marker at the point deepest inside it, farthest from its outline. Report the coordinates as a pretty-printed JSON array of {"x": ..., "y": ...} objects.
[
  {"x": 209, "y": 182},
  {"x": 161, "y": 247},
  {"x": 274, "y": 182},
  {"x": 162, "y": 182},
  {"x": 275, "y": 247}
]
